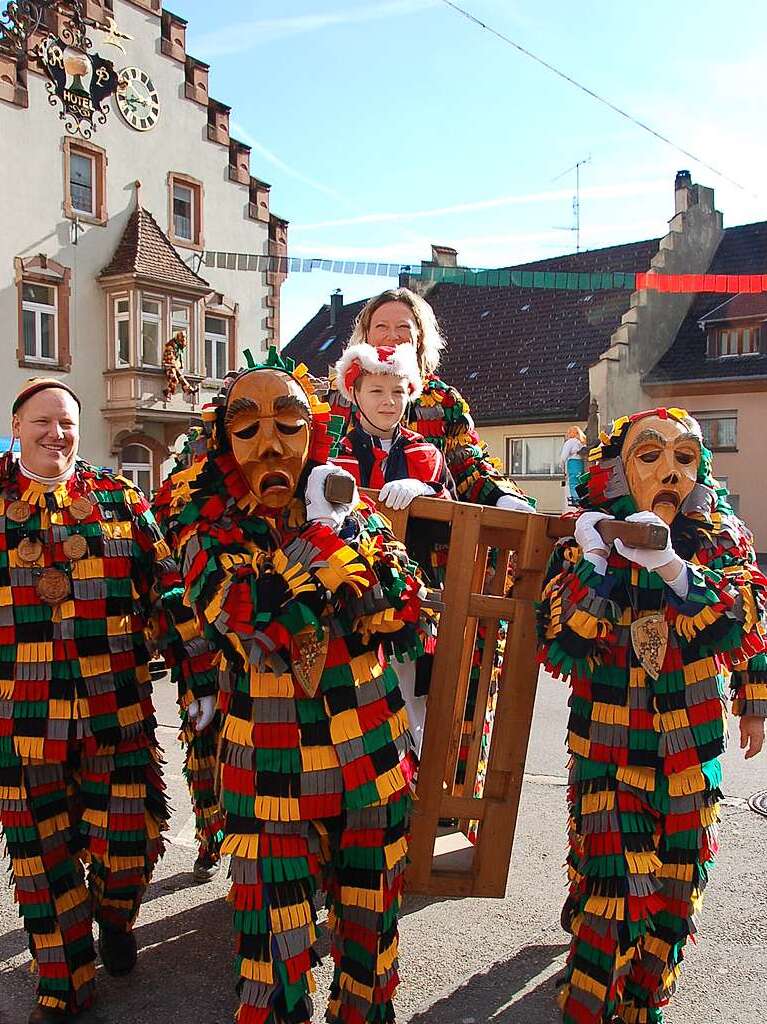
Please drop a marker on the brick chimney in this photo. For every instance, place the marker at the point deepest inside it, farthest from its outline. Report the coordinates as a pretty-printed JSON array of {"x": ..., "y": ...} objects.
[
  {"x": 336, "y": 305},
  {"x": 444, "y": 256}
]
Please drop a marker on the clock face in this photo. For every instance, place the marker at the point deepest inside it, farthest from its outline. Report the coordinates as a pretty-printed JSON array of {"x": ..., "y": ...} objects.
[{"x": 137, "y": 99}]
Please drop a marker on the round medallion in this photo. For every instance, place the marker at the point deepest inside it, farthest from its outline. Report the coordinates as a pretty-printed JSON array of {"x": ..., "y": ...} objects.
[
  {"x": 29, "y": 549},
  {"x": 75, "y": 546},
  {"x": 19, "y": 511},
  {"x": 52, "y": 586},
  {"x": 81, "y": 507},
  {"x": 137, "y": 99}
]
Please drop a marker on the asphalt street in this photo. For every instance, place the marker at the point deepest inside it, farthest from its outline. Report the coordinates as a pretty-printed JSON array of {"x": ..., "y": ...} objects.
[{"x": 461, "y": 961}]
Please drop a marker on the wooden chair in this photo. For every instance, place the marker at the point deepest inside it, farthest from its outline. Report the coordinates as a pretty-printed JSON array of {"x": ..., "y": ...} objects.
[{"x": 443, "y": 861}]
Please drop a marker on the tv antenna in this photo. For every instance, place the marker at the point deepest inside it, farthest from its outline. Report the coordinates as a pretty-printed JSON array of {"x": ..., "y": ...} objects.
[{"x": 576, "y": 226}]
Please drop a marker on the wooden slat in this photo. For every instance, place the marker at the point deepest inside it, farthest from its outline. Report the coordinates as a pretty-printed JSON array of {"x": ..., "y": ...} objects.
[
  {"x": 492, "y": 626},
  {"x": 486, "y": 606},
  {"x": 439, "y": 718},
  {"x": 514, "y": 712}
]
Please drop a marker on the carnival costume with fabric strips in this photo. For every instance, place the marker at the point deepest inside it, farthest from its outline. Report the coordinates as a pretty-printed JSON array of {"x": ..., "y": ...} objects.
[
  {"x": 201, "y": 748},
  {"x": 648, "y": 659},
  {"x": 83, "y": 568},
  {"x": 315, "y": 749}
]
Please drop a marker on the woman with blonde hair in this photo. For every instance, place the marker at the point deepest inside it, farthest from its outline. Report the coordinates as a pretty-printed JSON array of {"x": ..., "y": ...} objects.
[{"x": 440, "y": 414}]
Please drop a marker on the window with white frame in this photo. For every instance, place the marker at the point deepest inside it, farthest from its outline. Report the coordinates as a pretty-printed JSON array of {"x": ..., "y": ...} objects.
[
  {"x": 719, "y": 429},
  {"x": 122, "y": 331},
  {"x": 534, "y": 456},
  {"x": 735, "y": 340},
  {"x": 183, "y": 212},
  {"x": 136, "y": 465},
  {"x": 38, "y": 305},
  {"x": 216, "y": 347},
  {"x": 180, "y": 321},
  {"x": 82, "y": 183},
  {"x": 150, "y": 332}
]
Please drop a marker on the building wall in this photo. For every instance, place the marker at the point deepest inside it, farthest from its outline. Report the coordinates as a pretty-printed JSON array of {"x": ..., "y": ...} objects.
[
  {"x": 548, "y": 492},
  {"x": 33, "y": 221}
]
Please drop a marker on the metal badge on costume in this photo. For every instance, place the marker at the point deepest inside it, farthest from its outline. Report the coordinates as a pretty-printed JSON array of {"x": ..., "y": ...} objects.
[
  {"x": 308, "y": 663},
  {"x": 649, "y": 638},
  {"x": 53, "y": 586}
]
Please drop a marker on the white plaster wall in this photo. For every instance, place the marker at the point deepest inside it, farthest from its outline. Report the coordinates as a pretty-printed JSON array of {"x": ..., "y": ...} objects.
[{"x": 32, "y": 219}]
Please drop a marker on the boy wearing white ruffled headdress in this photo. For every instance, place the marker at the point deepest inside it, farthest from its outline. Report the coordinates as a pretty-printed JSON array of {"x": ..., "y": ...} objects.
[{"x": 381, "y": 453}]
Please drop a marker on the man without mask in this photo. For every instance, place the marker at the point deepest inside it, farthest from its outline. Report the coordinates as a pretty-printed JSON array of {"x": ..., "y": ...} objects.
[
  {"x": 648, "y": 639},
  {"x": 296, "y": 594}
]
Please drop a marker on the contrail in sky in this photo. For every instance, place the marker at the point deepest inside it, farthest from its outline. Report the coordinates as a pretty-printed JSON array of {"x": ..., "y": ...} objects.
[{"x": 244, "y": 35}]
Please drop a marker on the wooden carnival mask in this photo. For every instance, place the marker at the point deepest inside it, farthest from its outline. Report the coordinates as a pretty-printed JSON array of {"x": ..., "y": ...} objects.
[
  {"x": 268, "y": 421},
  {"x": 661, "y": 458}
]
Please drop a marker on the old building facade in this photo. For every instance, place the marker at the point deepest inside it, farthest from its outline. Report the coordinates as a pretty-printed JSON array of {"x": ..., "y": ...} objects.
[{"x": 104, "y": 232}]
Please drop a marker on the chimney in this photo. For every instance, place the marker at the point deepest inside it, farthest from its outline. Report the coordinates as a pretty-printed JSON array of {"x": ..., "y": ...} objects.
[
  {"x": 336, "y": 305},
  {"x": 683, "y": 187},
  {"x": 444, "y": 256}
]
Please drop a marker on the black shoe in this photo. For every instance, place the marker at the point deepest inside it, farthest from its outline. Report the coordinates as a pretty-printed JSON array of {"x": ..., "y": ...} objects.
[
  {"x": 569, "y": 912},
  {"x": 47, "y": 1015},
  {"x": 118, "y": 951},
  {"x": 206, "y": 867}
]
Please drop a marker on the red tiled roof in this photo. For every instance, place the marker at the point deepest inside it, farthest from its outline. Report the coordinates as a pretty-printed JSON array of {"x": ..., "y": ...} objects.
[
  {"x": 516, "y": 354},
  {"x": 145, "y": 250}
]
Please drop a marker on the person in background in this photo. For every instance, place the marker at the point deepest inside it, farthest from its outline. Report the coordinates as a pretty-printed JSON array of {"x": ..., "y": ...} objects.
[
  {"x": 572, "y": 459},
  {"x": 201, "y": 747},
  {"x": 380, "y": 453},
  {"x": 83, "y": 572}
]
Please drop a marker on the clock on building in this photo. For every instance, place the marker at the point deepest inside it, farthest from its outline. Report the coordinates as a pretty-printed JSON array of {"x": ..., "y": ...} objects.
[{"x": 137, "y": 99}]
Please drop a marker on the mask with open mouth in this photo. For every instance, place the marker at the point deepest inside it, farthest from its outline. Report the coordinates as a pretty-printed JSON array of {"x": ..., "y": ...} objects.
[
  {"x": 268, "y": 420},
  {"x": 661, "y": 458}
]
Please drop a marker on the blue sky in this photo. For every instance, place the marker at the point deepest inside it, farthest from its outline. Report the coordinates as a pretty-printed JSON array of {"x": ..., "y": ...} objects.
[{"x": 386, "y": 125}]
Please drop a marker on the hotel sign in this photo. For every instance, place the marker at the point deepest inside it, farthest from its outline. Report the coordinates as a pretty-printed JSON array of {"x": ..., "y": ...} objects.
[{"x": 80, "y": 82}]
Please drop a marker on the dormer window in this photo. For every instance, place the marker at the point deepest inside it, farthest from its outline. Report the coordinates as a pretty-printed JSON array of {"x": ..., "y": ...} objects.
[{"x": 734, "y": 340}]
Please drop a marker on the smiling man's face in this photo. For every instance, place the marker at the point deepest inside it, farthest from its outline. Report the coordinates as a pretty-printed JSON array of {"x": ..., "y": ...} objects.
[
  {"x": 48, "y": 428},
  {"x": 661, "y": 459},
  {"x": 268, "y": 421}
]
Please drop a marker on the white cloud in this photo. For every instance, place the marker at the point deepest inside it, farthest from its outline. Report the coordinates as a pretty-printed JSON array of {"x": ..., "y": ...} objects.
[
  {"x": 619, "y": 191},
  {"x": 244, "y": 35}
]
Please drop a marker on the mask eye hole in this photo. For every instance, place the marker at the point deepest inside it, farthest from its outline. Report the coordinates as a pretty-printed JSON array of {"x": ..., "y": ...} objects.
[
  {"x": 685, "y": 458},
  {"x": 649, "y": 457},
  {"x": 247, "y": 432},
  {"x": 290, "y": 428}
]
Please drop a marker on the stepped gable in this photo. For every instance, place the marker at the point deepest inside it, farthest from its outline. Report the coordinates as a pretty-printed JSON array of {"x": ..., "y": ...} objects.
[
  {"x": 742, "y": 250},
  {"x": 145, "y": 251}
]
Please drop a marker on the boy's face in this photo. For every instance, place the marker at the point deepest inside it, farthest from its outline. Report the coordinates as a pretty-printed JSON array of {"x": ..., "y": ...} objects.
[{"x": 381, "y": 399}]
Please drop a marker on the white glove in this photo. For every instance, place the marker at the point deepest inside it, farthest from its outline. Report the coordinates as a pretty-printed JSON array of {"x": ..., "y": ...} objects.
[
  {"x": 666, "y": 563},
  {"x": 201, "y": 712},
  {"x": 514, "y": 503},
  {"x": 399, "y": 493},
  {"x": 318, "y": 508},
  {"x": 589, "y": 539}
]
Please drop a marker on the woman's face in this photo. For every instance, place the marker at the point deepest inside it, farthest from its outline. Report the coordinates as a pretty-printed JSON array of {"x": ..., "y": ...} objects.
[{"x": 393, "y": 323}]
